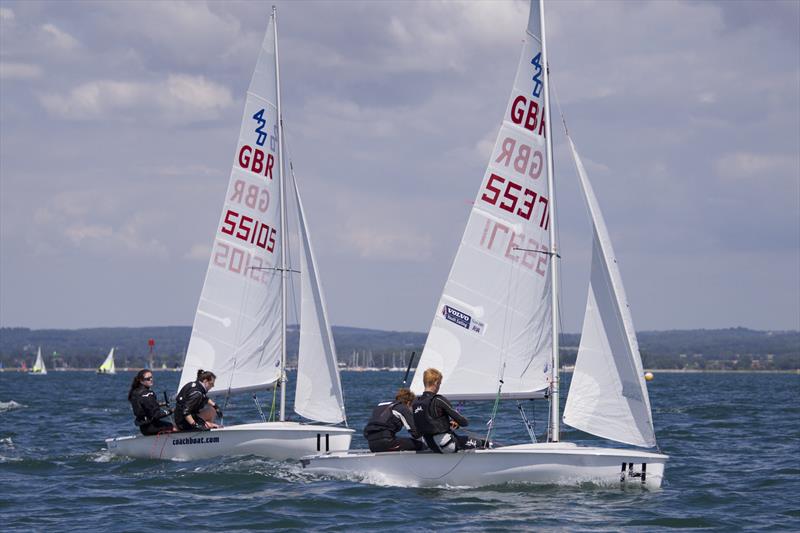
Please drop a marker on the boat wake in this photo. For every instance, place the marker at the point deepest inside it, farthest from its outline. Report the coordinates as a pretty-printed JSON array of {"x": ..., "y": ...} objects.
[{"x": 10, "y": 406}]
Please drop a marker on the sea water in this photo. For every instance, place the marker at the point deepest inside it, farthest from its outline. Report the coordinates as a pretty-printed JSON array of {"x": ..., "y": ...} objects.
[{"x": 733, "y": 441}]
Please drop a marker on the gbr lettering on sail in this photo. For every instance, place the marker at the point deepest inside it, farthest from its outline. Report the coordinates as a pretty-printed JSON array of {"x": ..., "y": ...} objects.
[
  {"x": 514, "y": 189},
  {"x": 246, "y": 239}
]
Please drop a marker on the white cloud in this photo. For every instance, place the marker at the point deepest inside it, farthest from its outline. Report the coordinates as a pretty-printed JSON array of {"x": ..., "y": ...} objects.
[
  {"x": 19, "y": 71},
  {"x": 179, "y": 96},
  {"x": 59, "y": 38},
  {"x": 6, "y": 14},
  {"x": 83, "y": 232},
  {"x": 199, "y": 252},
  {"x": 745, "y": 165},
  {"x": 381, "y": 229}
]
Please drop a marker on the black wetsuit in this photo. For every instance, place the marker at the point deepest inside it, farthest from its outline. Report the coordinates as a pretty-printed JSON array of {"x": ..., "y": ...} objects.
[
  {"x": 148, "y": 412},
  {"x": 432, "y": 414},
  {"x": 388, "y": 418},
  {"x": 191, "y": 399}
]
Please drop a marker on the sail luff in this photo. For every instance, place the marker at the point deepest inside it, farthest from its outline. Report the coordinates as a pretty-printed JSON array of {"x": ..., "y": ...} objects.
[
  {"x": 318, "y": 393},
  {"x": 608, "y": 395}
]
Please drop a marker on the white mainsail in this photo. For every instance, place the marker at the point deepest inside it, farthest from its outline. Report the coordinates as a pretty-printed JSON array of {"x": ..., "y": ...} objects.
[
  {"x": 108, "y": 365},
  {"x": 495, "y": 310},
  {"x": 38, "y": 365},
  {"x": 607, "y": 396},
  {"x": 318, "y": 395},
  {"x": 237, "y": 327}
]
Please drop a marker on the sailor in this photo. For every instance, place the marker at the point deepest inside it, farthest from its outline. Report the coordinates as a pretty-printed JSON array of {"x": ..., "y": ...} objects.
[
  {"x": 389, "y": 418},
  {"x": 436, "y": 419},
  {"x": 193, "y": 408},
  {"x": 148, "y": 412}
]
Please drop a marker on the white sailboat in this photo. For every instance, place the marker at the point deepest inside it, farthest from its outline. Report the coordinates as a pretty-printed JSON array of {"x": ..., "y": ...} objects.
[
  {"x": 239, "y": 330},
  {"x": 495, "y": 331},
  {"x": 39, "y": 367},
  {"x": 108, "y": 365}
]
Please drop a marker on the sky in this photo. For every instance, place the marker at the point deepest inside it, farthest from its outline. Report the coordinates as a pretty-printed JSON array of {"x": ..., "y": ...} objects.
[{"x": 119, "y": 122}]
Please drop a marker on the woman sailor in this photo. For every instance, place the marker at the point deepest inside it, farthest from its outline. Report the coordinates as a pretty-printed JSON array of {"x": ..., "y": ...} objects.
[
  {"x": 148, "y": 412},
  {"x": 193, "y": 408}
]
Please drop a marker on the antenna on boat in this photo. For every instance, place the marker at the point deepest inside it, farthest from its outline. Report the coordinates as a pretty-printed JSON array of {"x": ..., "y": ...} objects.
[{"x": 408, "y": 368}]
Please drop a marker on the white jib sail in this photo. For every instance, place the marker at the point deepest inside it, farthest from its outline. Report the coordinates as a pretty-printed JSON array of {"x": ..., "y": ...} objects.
[
  {"x": 237, "y": 327},
  {"x": 495, "y": 307},
  {"x": 318, "y": 395},
  {"x": 108, "y": 365},
  {"x": 38, "y": 365},
  {"x": 607, "y": 396}
]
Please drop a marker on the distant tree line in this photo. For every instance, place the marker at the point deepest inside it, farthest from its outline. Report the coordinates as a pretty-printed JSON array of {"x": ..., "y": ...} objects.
[{"x": 720, "y": 349}]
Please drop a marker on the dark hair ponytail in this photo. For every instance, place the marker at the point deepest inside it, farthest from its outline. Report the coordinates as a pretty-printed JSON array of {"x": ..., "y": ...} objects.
[
  {"x": 137, "y": 381},
  {"x": 203, "y": 375}
]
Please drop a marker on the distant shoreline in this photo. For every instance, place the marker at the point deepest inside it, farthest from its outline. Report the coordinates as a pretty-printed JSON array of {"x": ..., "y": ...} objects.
[{"x": 568, "y": 370}]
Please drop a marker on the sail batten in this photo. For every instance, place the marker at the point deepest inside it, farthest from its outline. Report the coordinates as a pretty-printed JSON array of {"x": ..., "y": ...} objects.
[{"x": 608, "y": 395}]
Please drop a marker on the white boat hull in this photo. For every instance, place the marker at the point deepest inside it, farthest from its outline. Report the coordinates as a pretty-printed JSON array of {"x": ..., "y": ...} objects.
[
  {"x": 273, "y": 440},
  {"x": 546, "y": 463}
]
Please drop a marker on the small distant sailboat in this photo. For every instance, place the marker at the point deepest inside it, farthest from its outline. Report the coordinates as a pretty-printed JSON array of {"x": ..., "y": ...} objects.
[
  {"x": 38, "y": 366},
  {"x": 108, "y": 365},
  {"x": 240, "y": 326}
]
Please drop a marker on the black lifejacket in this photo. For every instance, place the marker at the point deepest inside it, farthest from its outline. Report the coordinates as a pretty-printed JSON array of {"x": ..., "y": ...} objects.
[
  {"x": 424, "y": 418},
  {"x": 383, "y": 424},
  {"x": 145, "y": 406},
  {"x": 191, "y": 399}
]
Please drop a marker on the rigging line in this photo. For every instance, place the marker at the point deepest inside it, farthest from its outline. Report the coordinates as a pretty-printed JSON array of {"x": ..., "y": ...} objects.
[
  {"x": 558, "y": 105},
  {"x": 494, "y": 408}
]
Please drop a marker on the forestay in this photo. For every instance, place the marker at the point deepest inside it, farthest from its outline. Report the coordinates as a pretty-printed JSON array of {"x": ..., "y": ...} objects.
[
  {"x": 607, "y": 395},
  {"x": 495, "y": 307},
  {"x": 319, "y": 391},
  {"x": 237, "y": 327}
]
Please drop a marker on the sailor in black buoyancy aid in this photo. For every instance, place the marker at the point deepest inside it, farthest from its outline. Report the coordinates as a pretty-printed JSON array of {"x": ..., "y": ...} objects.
[
  {"x": 436, "y": 419},
  {"x": 388, "y": 418},
  {"x": 148, "y": 412},
  {"x": 193, "y": 408}
]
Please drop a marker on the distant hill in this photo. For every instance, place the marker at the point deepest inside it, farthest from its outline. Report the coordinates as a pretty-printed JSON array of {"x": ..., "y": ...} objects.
[{"x": 701, "y": 349}]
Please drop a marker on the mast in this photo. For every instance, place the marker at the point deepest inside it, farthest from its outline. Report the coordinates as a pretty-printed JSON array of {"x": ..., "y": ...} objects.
[
  {"x": 283, "y": 221},
  {"x": 554, "y": 393}
]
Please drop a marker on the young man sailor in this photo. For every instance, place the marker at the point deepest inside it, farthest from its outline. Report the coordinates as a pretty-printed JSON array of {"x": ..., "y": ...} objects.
[
  {"x": 388, "y": 419},
  {"x": 436, "y": 419}
]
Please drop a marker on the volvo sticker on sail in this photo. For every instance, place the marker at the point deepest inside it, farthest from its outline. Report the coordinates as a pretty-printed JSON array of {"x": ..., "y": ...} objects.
[{"x": 462, "y": 319}]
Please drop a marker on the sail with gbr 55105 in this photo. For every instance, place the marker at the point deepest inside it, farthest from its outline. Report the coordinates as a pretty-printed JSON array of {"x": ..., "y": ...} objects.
[{"x": 239, "y": 330}]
